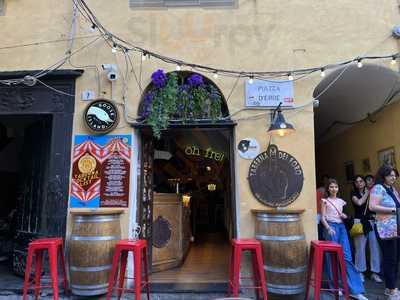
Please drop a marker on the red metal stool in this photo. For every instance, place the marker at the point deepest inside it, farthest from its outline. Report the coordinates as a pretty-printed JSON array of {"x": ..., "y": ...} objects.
[
  {"x": 315, "y": 261},
  {"x": 122, "y": 248},
  {"x": 55, "y": 247},
  {"x": 254, "y": 247}
]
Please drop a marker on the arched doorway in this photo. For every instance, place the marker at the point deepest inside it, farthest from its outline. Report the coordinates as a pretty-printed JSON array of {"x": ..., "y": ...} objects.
[
  {"x": 186, "y": 201},
  {"x": 356, "y": 132}
]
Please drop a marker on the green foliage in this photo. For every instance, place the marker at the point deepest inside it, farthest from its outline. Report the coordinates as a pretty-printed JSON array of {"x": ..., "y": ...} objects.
[{"x": 179, "y": 98}]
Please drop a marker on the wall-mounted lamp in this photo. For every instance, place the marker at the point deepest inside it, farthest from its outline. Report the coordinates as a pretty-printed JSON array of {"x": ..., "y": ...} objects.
[{"x": 278, "y": 124}]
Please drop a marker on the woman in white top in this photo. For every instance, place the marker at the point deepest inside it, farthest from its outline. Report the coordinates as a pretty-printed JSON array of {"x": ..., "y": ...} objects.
[{"x": 335, "y": 231}]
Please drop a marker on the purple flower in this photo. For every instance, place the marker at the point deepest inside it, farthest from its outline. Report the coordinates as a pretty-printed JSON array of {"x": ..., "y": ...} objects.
[
  {"x": 147, "y": 101},
  {"x": 195, "y": 80},
  {"x": 159, "y": 78}
]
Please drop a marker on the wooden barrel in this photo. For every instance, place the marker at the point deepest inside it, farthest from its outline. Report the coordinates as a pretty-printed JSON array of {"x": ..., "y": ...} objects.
[
  {"x": 91, "y": 248},
  {"x": 284, "y": 250}
]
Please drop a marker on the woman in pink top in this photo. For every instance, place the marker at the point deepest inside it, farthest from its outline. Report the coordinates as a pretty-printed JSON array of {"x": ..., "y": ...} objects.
[{"x": 335, "y": 231}]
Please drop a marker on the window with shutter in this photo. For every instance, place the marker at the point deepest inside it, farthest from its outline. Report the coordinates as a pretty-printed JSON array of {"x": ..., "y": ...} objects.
[
  {"x": 1, "y": 7},
  {"x": 182, "y": 3}
]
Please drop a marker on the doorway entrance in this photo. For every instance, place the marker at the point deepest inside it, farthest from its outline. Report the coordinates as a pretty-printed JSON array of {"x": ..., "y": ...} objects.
[
  {"x": 192, "y": 206},
  {"x": 35, "y": 149},
  {"x": 24, "y": 155}
]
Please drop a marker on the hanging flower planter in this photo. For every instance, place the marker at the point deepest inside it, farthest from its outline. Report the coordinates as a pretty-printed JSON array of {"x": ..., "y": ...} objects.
[{"x": 179, "y": 97}]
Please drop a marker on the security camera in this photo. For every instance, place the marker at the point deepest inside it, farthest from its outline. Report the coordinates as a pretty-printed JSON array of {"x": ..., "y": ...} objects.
[
  {"x": 109, "y": 67},
  {"x": 112, "y": 75}
]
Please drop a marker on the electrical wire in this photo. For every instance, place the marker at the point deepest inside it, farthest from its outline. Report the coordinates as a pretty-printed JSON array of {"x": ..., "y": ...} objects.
[
  {"x": 122, "y": 45},
  {"x": 46, "y": 42}
]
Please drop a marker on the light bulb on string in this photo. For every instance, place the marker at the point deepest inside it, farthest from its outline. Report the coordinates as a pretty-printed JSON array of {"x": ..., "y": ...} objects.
[
  {"x": 178, "y": 67},
  {"x": 93, "y": 27},
  {"x": 251, "y": 80},
  {"x": 394, "y": 60},
  {"x": 290, "y": 77},
  {"x": 114, "y": 48},
  {"x": 359, "y": 63},
  {"x": 322, "y": 72},
  {"x": 215, "y": 75}
]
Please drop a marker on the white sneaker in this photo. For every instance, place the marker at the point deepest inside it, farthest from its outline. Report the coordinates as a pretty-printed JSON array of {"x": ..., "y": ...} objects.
[
  {"x": 395, "y": 293},
  {"x": 375, "y": 277},
  {"x": 358, "y": 297},
  {"x": 362, "y": 277}
]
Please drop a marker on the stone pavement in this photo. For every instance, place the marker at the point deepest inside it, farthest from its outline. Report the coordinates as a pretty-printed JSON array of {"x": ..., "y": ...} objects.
[{"x": 374, "y": 292}]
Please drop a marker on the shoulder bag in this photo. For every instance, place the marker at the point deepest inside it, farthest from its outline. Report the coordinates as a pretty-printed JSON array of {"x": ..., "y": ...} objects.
[
  {"x": 388, "y": 225},
  {"x": 358, "y": 228}
]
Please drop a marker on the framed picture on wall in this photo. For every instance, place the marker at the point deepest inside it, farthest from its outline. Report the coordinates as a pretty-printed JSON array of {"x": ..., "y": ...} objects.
[
  {"x": 349, "y": 169},
  {"x": 387, "y": 156},
  {"x": 366, "y": 165}
]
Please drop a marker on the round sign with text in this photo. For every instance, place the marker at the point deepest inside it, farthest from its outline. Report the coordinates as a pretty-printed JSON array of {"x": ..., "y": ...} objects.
[
  {"x": 275, "y": 177},
  {"x": 101, "y": 116},
  {"x": 248, "y": 148}
]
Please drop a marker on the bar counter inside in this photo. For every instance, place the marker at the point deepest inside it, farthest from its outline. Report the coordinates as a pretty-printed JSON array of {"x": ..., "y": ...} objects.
[{"x": 171, "y": 231}]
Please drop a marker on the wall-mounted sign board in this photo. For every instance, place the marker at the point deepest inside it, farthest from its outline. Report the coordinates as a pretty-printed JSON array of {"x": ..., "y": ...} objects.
[
  {"x": 263, "y": 93},
  {"x": 275, "y": 177},
  {"x": 100, "y": 171}
]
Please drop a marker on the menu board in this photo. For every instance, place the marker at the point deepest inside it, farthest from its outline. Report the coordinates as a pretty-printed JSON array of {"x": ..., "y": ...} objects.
[{"x": 100, "y": 171}]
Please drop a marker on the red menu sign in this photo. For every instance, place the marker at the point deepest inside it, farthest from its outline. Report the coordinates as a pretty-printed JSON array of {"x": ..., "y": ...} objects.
[{"x": 114, "y": 188}]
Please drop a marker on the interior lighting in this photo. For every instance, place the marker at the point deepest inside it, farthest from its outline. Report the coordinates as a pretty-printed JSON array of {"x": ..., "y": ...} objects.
[
  {"x": 359, "y": 63},
  {"x": 215, "y": 75},
  {"x": 178, "y": 67},
  {"x": 211, "y": 187},
  {"x": 322, "y": 72},
  {"x": 278, "y": 125},
  {"x": 290, "y": 77},
  {"x": 394, "y": 60}
]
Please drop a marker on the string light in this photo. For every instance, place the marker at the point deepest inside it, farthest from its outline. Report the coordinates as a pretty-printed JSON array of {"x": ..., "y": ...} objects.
[
  {"x": 251, "y": 80},
  {"x": 290, "y": 77},
  {"x": 394, "y": 60},
  {"x": 215, "y": 75},
  {"x": 92, "y": 27},
  {"x": 114, "y": 48},
  {"x": 122, "y": 44},
  {"x": 322, "y": 72},
  {"x": 178, "y": 67}
]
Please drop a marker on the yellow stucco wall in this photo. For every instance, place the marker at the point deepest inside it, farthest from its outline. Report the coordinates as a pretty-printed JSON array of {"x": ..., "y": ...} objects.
[
  {"x": 362, "y": 141},
  {"x": 258, "y": 35}
]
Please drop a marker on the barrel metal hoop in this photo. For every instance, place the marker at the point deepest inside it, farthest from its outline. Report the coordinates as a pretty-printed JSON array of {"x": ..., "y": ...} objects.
[
  {"x": 278, "y": 218},
  {"x": 95, "y": 219},
  {"x": 285, "y": 270},
  {"x": 89, "y": 290},
  {"x": 280, "y": 238},
  {"x": 89, "y": 286},
  {"x": 285, "y": 289},
  {"x": 90, "y": 269},
  {"x": 94, "y": 238}
]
